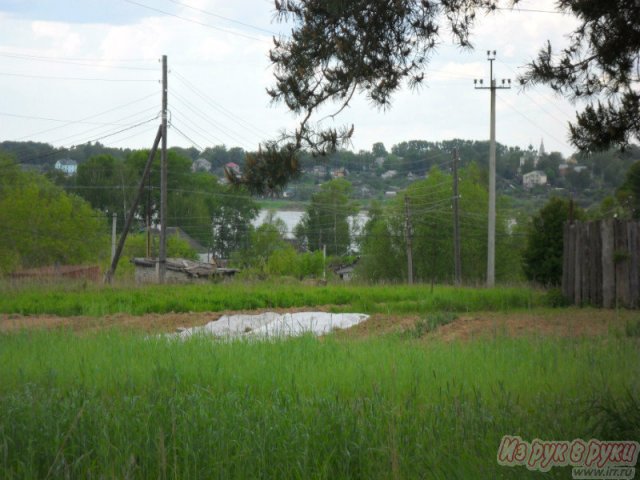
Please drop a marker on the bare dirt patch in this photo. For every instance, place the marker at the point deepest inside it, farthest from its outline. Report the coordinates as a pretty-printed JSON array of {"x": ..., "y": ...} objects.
[
  {"x": 555, "y": 323},
  {"x": 569, "y": 322},
  {"x": 151, "y": 323}
]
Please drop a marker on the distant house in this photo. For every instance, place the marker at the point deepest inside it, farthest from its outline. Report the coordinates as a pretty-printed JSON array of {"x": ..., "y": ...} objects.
[
  {"x": 390, "y": 194},
  {"x": 379, "y": 161},
  {"x": 532, "y": 179},
  {"x": 233, "y": 167},
  {"x": 563, "y": 169},
  {"x": 319, "y": 171},
  {"x": 201, "y": 165},
  {"x": 339, "y": 173},
  {"x": 389, "y": 174},
  {"x": 579, "y": 168},
  {"x": 67, "y": 166},
  {"x": 345, "y": 271}
]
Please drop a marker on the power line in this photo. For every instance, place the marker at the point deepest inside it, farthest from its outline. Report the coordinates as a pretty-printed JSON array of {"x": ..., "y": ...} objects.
[
  {"x": 66, "y": 122},
  {"x": 108, "y": 135},
  {"x": 20, "y": 151},
  {"x": 565, "y": 114},
  {"x": 508, "y": 104},
  {"x": 202, "y": 24},
  {"x": 85, "y": 132},
  {"x": 516, "y": 9},
  {"x": 216, "y": 105},
  {"x": 72, "y": 122},
  {"x": 90, "y": 79},
  {"x": 80, "y": 59},
  {"x": 40, "y": 58},
  {"x": 230, "y": 133},
  {"x": 184, "y": 135},
  {"x": 211, "y": 14},
  {"x": 195, "y": 128}
]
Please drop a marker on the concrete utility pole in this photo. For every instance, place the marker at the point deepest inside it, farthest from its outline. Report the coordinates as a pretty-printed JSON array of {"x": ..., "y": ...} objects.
[
  {"x": 409, "y": 234},
  {"x": 456, "y": 223},
  {"x": 491, "y": 236},
  {"x": 162, "y": 257}
]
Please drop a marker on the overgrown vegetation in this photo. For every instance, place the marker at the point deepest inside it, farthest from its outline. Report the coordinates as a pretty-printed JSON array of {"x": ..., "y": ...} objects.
[
  {"x": 428, "y": 324},
  {"x": 82, "y": 299},
  {"x": 542, "y": 256},
  {"x": 427, "y": 205},
  {"x": 129, "y": 406},
  {"x": 43, "y": 225}
]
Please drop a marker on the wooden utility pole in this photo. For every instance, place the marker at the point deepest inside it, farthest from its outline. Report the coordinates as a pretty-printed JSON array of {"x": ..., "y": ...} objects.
[
  {"x": 148, "y": 215},
  {"x": 114, "y": 218},
  {"x": 408, "y": 234},
  {"x": 127, "y": 224},
  {"x": 456, "y": 223},
  {"x": 491, "y": 234},
  {"x": 162, "y": 257}
]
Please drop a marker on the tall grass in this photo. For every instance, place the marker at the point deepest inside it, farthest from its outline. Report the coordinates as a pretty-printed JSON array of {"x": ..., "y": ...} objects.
[
  {"x": 116, "y": 405},
  {"x": 93, "y": 300}
]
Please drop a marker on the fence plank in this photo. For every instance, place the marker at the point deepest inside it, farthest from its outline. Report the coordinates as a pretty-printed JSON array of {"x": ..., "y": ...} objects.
[
  {"x": 596, "y": 260},
  {"x": 571, "y": 275},
  {"x": 633, "y": 229},
  {"x": 578, "y": 249},
  {"x": 601, "y": 263},
  {"x": 585, "y": 281},
  {"x": 621, "y": 258},
  {"x": 608, "y": 267},
  {"x": 566, "y": 262}
]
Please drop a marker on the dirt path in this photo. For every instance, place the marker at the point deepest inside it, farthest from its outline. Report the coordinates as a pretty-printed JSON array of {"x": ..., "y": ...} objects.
[
  {"x": 571, "y": 322},
  {"x": 154, "y": 322}
]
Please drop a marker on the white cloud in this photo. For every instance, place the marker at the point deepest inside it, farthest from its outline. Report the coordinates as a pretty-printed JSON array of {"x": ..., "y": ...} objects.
[
  {"x": 57, "y": 36},
  {"x": 234, "y": 72}
]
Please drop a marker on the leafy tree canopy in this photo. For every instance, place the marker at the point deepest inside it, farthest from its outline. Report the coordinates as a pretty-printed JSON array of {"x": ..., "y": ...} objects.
[
  {"x": 42, "y": 225},
  {"x": 429, "y": 203},
  {"x": 629, "y": 193},
  {"x": 542, "y": 257},
  {"x": 326, "y": 220}
]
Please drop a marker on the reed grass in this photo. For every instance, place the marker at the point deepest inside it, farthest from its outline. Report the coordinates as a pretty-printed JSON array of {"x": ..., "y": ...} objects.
[
  {"x": 96, "y": 300},
  {"x": 123, "y": 405}
]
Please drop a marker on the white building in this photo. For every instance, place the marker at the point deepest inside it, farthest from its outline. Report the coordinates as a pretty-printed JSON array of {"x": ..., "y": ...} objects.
[
  {"x": 66, "y": 165},
  {"x": 201, "y": 165},
  {"x": 531, "y": 179}
]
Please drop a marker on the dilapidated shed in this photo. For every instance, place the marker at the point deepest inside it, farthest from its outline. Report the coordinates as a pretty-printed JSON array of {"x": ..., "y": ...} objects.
[{"x": 179, "y": 270}]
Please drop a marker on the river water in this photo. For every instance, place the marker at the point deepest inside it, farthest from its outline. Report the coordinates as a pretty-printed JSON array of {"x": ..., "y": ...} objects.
[{"x": 292, "y": 217}]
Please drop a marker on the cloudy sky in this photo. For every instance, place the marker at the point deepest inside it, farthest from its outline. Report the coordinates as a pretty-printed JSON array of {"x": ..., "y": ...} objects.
[{"x": 73, "y": 71}]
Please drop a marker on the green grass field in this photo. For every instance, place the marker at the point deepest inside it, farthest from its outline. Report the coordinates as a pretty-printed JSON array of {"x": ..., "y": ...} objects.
[
  {"x": 92, "y": 300},
  {"x": 116, "y": 403}
]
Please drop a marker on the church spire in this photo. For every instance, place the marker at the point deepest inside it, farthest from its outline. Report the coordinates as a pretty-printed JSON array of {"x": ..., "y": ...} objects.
[{"x": 541, "y": 150}]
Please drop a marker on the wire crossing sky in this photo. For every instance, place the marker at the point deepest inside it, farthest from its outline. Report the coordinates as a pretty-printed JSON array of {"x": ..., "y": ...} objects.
[{"x": 67, "y": 65}]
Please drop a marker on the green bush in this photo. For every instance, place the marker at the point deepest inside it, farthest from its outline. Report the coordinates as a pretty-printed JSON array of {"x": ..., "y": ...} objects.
[{"x": 556, "y": 299}]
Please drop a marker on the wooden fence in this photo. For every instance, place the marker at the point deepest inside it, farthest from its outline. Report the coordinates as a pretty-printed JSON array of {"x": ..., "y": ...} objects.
[
  {"x": 84, "y": 272},
  {"x": 601, "y": 263}
]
